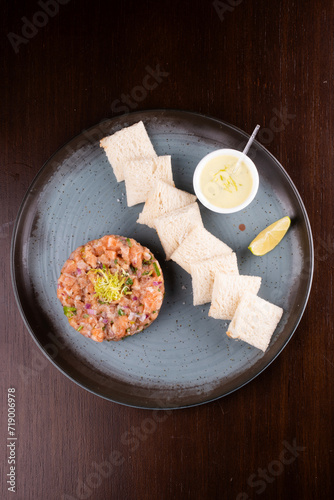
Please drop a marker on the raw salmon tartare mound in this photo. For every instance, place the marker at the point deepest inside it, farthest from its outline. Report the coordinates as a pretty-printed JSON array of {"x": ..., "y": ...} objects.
[{"x": 111, "y": 288}]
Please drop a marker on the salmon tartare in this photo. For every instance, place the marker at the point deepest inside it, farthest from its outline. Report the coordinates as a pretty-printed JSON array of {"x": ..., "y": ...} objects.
[{"x": 111, "y": 288}]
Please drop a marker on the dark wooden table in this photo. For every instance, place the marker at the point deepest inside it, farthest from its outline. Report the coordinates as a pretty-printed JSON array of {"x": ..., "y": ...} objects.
[{"x": 65, "y": 67}]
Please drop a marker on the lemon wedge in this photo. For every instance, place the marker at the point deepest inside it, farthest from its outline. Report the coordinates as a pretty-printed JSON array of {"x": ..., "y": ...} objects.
[{"x": 270, "y": 237}]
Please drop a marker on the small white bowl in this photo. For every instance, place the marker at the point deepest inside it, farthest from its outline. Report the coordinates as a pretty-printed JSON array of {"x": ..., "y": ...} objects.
[{"x": 223, "y": 152}]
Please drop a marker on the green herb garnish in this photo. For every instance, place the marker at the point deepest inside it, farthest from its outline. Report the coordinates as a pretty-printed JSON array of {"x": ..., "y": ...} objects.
[
  {"x": 69, "y": 311},
  {"x": 157, "y": 270},
  {"x": 147, "y": 273}
]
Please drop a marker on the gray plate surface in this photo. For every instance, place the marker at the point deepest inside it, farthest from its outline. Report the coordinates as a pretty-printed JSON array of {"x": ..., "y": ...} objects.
[{"x": 184, "y": 358}]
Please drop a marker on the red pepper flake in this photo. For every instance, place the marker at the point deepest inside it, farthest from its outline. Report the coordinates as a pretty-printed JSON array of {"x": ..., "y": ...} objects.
[{"x": 242, "y": 227}]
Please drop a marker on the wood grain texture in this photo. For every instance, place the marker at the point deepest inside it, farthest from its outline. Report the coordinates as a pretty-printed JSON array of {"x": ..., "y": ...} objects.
[{"x": 263, "y": 58}]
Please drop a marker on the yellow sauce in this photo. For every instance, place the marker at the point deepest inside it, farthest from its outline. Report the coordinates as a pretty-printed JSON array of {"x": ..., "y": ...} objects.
[{"x": 221, "y": 186}]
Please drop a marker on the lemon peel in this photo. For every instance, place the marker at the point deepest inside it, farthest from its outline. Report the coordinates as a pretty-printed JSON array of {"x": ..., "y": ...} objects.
[{"x": 109, "y": 286}]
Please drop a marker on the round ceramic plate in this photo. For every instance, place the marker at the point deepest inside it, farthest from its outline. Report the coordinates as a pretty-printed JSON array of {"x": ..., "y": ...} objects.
[{"x": 185, "y": 357}]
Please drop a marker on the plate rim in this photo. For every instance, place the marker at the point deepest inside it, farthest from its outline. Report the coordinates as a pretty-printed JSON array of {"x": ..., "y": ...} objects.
[{"x": 114, "y": 119}]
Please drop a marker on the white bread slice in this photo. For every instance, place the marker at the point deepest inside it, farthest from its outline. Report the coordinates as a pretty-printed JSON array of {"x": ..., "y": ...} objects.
[
  {"x": 254, "y": 321},
  {"x": 126, "y": 144},
  {"x": 141, "y": 175},
  {"x": 199, "y": 244},
  {"x": 227, "y": 292},
  {"x": 162, "y": 199},
  {"x": 174, "y": 226},
  {"x": 203, "y": 274}
]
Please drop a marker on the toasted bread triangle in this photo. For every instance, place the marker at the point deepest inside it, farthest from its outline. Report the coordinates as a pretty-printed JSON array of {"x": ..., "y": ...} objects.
[
  {"x": 127, "y": 144},
  {"x": 163, "y": 199}
]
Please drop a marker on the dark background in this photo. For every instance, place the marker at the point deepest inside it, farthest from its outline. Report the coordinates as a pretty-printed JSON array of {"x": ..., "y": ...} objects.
[{"x": 238, "y": 63}]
